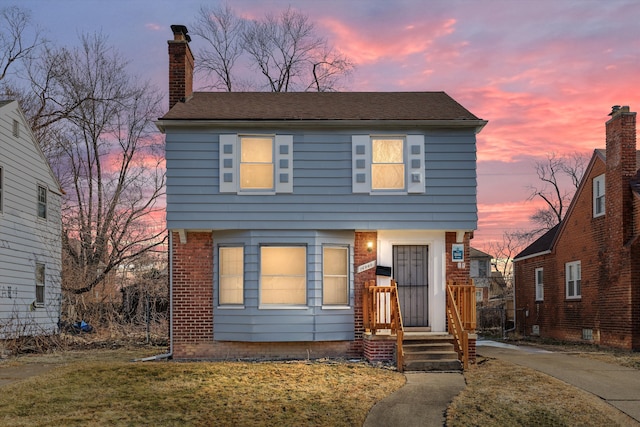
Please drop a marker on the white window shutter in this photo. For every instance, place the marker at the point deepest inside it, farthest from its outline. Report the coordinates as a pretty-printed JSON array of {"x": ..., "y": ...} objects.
[
  {"x": 284, "y": 164},
  {"x": 361, "y": 164},
  {"x": 228, "y": 163},
  {"x": 415, "y": 168}
]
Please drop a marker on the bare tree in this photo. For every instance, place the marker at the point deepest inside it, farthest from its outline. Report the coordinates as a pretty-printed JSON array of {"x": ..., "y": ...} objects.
[
  {"x": 112, "y": 155},
  {"x": 504, "y": 251},
  {"x": 284, "y": 49},
  {"x": 19, "y": 38},
  {"x": 95, "y": 124},
  {"x": 223, "y": 32},
  {"x": 552, "y": 190}
]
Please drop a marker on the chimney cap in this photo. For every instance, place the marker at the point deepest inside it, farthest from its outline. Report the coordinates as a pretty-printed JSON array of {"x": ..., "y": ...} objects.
[
  {"x": 618, "y": 109},
  {"x": 180, "y": 32}
]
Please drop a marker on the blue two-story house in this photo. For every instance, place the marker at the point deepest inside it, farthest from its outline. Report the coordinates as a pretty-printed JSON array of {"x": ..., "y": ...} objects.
[{"x": 280, "y": 206}]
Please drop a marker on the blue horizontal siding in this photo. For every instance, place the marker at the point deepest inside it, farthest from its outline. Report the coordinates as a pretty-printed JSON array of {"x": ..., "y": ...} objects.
[
  {"x": 322, "y": 186},
  {"x": 258, "y": 324}
]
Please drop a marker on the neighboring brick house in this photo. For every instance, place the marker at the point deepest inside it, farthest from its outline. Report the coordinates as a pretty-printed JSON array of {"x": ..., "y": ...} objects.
[
  {"x": 281, "y": 205},
  {"x": 30, "y": 231},
  {"x": 581, "y": 280}
]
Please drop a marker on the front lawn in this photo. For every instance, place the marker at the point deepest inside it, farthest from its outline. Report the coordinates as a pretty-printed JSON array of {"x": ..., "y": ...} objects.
[{"x": 111, "y": 392}]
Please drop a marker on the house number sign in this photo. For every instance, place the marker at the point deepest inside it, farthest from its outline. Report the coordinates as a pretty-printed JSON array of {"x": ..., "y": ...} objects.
[{"x": 367, "y": 266}]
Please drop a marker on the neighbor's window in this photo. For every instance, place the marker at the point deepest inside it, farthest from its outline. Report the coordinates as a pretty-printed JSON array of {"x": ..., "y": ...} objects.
[
  {"x": 598, "y": 196},
  {"x": 387, "y": 164},
  {"x": 283, "y": 275},
  {"x": 16, "y": 128},
  {"x": 335, "y": 276},
  {"x": 42, "y": 202},
  {"x": 539, "y": 284},
  {"x": 573, "y": 276},
  {"x": 256, "y": 163},
  {"x": 40, "y": 280},
  {"x": 231, "y": 275}
]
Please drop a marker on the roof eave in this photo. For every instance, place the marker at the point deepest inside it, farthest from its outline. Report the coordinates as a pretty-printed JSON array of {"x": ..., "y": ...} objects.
[
  {"x": 537, "y": 254},
  {"x": 163, "y": 123}
]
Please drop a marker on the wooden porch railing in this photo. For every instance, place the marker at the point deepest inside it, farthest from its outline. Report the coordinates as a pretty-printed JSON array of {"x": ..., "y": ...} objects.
[
  {"x": 461, "y": 317},
  {"x": 381, "y": 310}
]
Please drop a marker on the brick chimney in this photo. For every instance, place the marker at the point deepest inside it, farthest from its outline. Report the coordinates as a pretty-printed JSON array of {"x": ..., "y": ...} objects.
[
  {"x": 621, "y": 168},
  {"x": 180, "y": 66}
]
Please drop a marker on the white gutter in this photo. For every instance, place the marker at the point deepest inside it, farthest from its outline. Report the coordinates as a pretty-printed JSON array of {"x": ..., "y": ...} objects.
[{"x": 532, "y": 256}]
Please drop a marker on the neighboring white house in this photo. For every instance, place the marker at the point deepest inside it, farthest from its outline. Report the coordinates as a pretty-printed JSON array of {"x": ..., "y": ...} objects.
[{"x": 30, "y": 231}]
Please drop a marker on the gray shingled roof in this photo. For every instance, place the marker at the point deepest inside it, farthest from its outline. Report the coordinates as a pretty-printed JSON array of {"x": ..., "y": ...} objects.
[
  {"x": 542, "y": 244},
  {"x": 319, "y": 106}
]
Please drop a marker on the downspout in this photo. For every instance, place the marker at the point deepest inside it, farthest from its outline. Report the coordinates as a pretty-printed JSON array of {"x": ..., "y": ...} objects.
[{"x": 168, "y": 355}]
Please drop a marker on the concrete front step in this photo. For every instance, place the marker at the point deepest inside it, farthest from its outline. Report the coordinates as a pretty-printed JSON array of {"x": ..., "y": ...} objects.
[
  {"x": 430, "y": 352},
  {"x": 433, "y": 365},
  {"x": 429, "y": 355},
  {"x": 420, "y": 346}
]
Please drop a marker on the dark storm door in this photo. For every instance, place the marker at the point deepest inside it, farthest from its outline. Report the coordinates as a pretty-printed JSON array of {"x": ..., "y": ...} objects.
[{"x": 410, "y": 271}]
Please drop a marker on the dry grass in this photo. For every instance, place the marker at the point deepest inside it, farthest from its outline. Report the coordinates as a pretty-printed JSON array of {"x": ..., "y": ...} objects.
[
  {"x": 500, "y": 393},
  {"x": 100, "y": 388}
]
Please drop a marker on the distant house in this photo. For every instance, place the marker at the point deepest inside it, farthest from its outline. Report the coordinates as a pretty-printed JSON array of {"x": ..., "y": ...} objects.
[
  {"x": 480, "y": 272},
  {"x": 30, "y": 231},
  {"x": 490, "y": 285},
  {"x": 581, "y": 280},
  {"x": 280, "y": 206}
]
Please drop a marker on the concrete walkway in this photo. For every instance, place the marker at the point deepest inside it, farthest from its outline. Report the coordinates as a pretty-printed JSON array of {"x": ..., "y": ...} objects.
[
  {"x": 422, "y": 401},
  {"x": 617, "y": 385}
]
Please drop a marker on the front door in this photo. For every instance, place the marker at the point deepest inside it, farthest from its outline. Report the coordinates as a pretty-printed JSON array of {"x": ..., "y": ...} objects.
[{"x": 410, "y": 271}]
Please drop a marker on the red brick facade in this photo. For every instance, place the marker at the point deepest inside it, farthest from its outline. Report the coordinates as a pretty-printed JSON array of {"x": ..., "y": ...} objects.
[{"x": 608, "y": 250}]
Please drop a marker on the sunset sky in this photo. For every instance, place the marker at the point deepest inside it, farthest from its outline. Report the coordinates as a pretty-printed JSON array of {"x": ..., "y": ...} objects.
[{"x": 544, "y": 73}]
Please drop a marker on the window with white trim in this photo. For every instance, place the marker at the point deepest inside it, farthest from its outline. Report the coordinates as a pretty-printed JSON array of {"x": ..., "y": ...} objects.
[
  {"x": 573, "y": 277},
  {"x": 283, "y": 275},
  {"x": 256, "y": 164},
  {"x": 539, "y": 273},
  {"x": 231, "y": 283},
  {"x": 388, "y": 164},
  {"x": 40, "y": 284},
  {"x": 16, "y": 129},
  {"x": 42, "y": 202},
  {"x": 598, "y": 196},
  {"x": 335, "y": 275}
]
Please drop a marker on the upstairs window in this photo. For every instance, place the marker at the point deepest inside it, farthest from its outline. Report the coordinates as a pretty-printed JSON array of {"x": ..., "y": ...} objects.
[
  {"x": 388, "y": 164},
  {"x": 256, "y": 164},
  {"x": 42, "y": 202},
  {"x": 335, "y": 276},
  {"x": 573, "y": 277},
  {"x": 283, "y": 275},
  {"x": 539, "y": 284},
  {"x": 231, "y": 276},
  {"x": 16, "y": 129},
  {"x": 598, "y": 196},
  {"x": 40, "y": 281}
]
